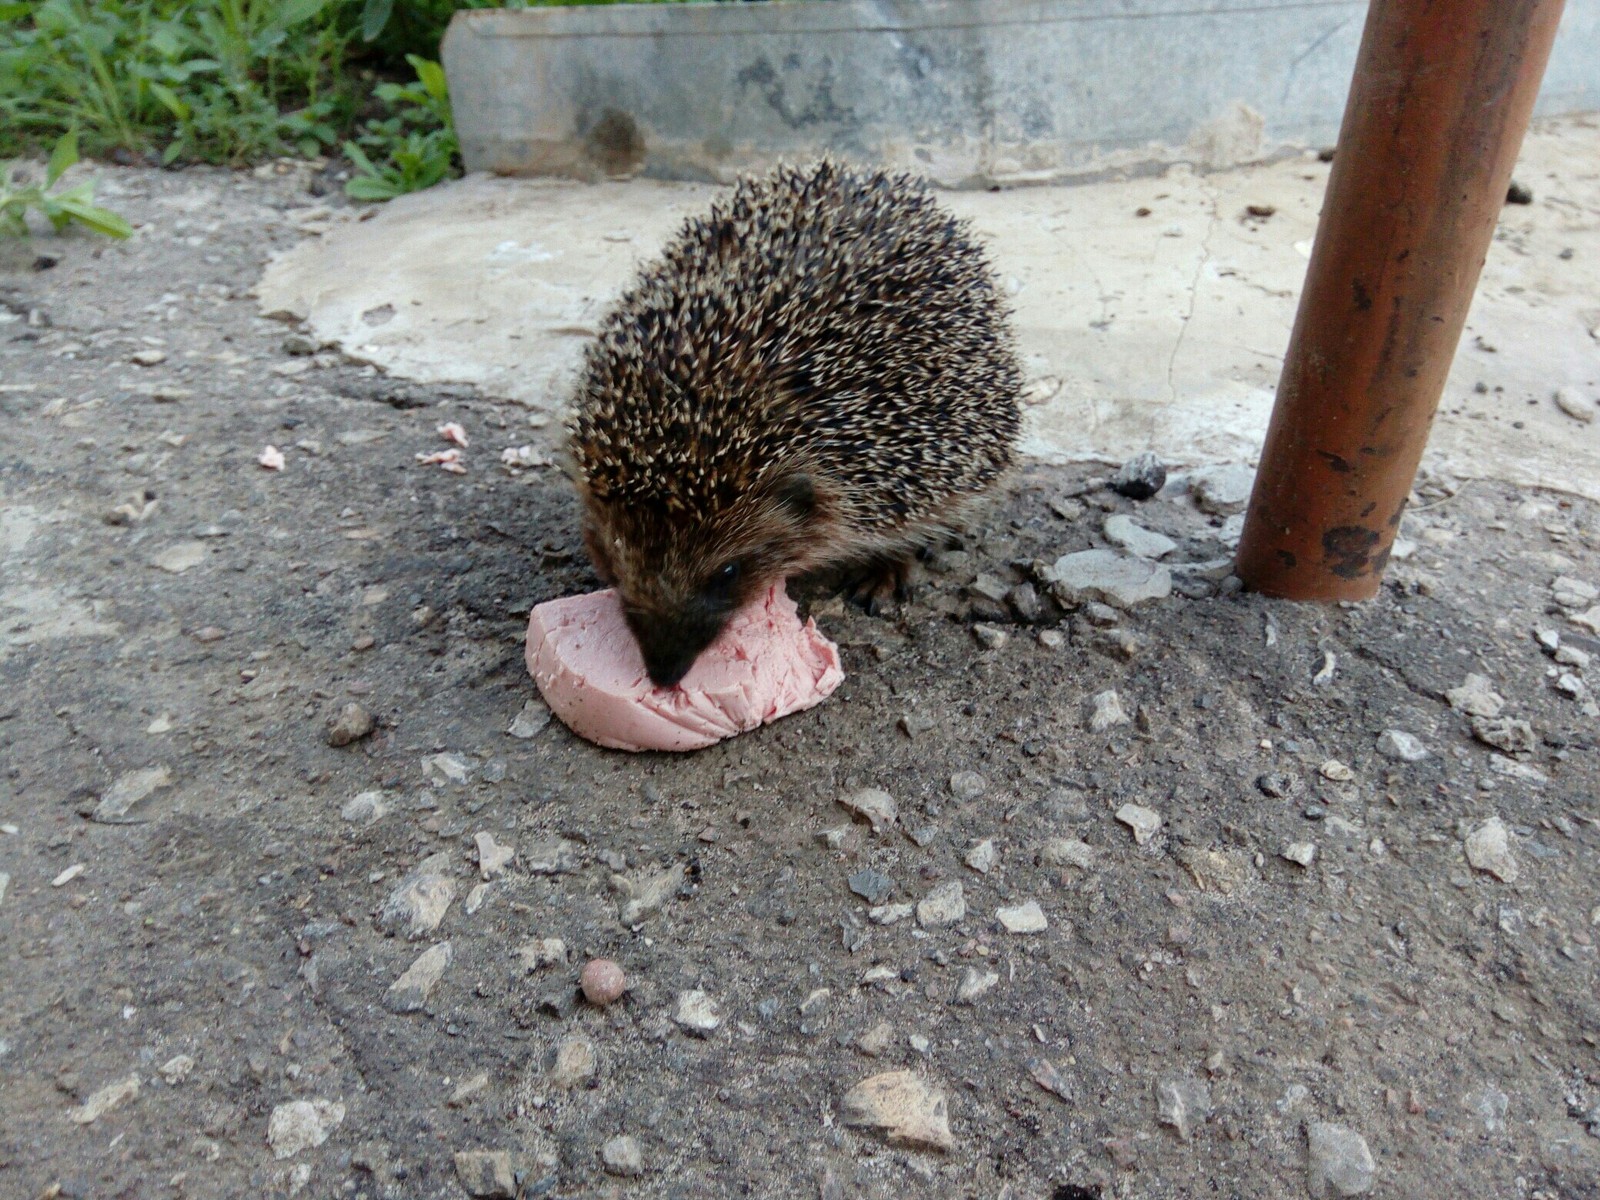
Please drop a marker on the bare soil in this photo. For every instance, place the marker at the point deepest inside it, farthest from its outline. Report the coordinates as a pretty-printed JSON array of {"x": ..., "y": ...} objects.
[{"x": 1450, "y": 1018}]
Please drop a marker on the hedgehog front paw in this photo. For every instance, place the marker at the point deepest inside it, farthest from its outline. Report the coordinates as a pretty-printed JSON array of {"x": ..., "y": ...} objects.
[{"x": 881, "y": 583}]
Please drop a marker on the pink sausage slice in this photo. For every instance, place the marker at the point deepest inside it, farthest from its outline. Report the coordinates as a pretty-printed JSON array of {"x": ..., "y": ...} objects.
[{"x": 765, "y": 665}]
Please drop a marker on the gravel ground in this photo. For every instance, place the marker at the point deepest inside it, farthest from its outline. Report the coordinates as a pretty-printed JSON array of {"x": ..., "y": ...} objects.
[{"x": 1278, "y": 957}]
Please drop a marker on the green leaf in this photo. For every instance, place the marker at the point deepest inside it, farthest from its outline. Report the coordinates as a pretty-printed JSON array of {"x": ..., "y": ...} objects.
[
  {"x": 169, "y": 98},
  {"x": 374, "y": 16},
  {"x": 62, "y": 157},
  {"x": 14, "y": 12},
  {"x": 296, "y": 11},
  {"x": 359, "y": 156},
  {"x": 431, "y": 76},
  {"x": 101, "y": 220},
  {"x": 365, "y": 187}
]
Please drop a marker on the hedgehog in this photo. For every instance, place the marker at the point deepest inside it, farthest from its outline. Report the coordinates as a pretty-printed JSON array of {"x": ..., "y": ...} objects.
[{"x": 816, "y": 375}]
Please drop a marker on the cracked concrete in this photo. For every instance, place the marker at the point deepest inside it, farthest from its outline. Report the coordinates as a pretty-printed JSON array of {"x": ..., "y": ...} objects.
[{"x": 1152, "y": 313}]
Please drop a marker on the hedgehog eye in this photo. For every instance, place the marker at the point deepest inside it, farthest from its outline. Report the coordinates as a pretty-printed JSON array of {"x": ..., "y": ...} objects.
[{"x": 723, "y": 580}]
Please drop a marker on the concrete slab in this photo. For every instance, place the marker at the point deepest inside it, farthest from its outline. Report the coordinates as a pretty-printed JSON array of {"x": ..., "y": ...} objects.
[
  {"x": 966, "y": 93},
  {"x": 1162, "y": 331}
]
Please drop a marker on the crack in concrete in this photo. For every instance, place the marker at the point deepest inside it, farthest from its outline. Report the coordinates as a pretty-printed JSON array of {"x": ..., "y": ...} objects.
[{"x": 1194, "y": 285}]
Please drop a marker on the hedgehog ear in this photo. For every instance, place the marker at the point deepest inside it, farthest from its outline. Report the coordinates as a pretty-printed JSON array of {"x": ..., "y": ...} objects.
[{"x": 798, "y": 494}]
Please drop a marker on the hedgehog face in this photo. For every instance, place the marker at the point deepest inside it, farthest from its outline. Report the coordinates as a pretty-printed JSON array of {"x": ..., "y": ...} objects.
[{"x": 680, "y": 583}]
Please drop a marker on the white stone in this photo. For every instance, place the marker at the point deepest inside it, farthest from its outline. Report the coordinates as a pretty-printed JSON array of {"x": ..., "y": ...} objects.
[
  {"x": 1183, "y": 1104},
  {"x": 1337, "y": 771},
  {"x": 176, "y": 1069},
  {"x": 575, "y": 1061},
  {"x": 1303, "y": 853},
  {"x": 105, "y": 1099},
  {"x": 1575, "y": 404},
  {"x": 1117, "y": 579},
  {"x": 541, "y": 953},
  {"x": 1476, "y": 697},
  {"x": 410, "y": 992},
  {"x": 888, "y": 914},
  {"x": 446, "y": 768},
  {"x": 476, "y": 897},
  {"x": 1027, "y": 917},
  {"x": 301, "y": 1125},
  {"x": 1106, "y": 711},
  {"x": 1401, "y": 746},
  {"x": 493, "y": 858},
  {"x": 902, "y": 1108},
  {"x": 622, "y": 1156},
  {"x": 1143, "y": 821},
  {"x": 1488, "y": 849},
  {"x": 1222, "y": 490},
  {"x": 1121, "y": 530},
  {"x": 981, "y": 858},
  {"x": 1067, "y": 852},
  {"x": 1338, "y": 1162},
  {"x": 875, "y": 804},
  {"x": 1573, "y": 593},
  {"x": 942, "y": 907},
  {"x": 974, "y": 985},
  {"x": 697, "y": 1012},
  {"x": 1589, "y": 619}
]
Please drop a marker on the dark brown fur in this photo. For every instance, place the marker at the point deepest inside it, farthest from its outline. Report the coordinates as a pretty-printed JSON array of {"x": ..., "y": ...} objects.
[{"x": 816, "y": 374}]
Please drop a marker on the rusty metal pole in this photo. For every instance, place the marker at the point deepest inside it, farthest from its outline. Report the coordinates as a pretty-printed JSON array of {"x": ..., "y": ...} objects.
[{"x": 1441, "y": 98}]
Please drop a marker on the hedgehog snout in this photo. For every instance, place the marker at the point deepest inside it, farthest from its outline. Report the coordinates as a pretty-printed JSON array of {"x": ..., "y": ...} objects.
[{"x": 672, "y": 642}]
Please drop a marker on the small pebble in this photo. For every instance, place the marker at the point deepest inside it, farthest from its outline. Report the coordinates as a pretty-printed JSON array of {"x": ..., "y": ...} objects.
[
  {"x": 486, "y": 1173},
  {"x": 1401, "y": 746},
  {"x": 876, "y": 805},
  {"x": 968, "y": 785},
  {"x": 1575, "y": 404},
  {"x": 602, "y": 981},
  {"x": 974, "y": 985},
  {"x": 410, "y": 992},
  {"x": 622, "y": 1156},
  {"x": 1303, "y": 853},
  {"x": 1027, "y": 917},
  {"x": 1106, "y": 711},
  {"x": 1337, "y": 771},
  {"x": 942, "y": 907},
  {"x": 872, "y": 886},
  {"x": 1488, "y": 848},
  {"x": 901, "y": 1107},
  {"x": 697, "y": 1013},
  {"x": 981, "y": 858},
  {"x": 350, "y": 724},
  {"x": 1338, "y": 1162},
  {"x": 1141, "y": 477},
  {"x": 990, "y": 637},
  {"x": 1143, "y": 821}
]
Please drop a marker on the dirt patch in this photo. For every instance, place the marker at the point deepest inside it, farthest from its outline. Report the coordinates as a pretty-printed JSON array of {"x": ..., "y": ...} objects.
[{"x": 1300, "y": 939}]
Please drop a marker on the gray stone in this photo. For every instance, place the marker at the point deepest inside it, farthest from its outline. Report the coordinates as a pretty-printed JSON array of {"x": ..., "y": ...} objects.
[
  {"x": 1476, "y": 697},
  {"x": 1222, "y": 490},
  {"x": 555, "y": 857},
  {"x": 1183, "y": 1103},
  {"x": 486, "y": 1173},
  {"x": 1338, "y": 1162},
  {"x": 1575, "y": 404},
  {"x": 1574, "y": 593},
  {"x": 990, "y": 637},
  {"x": 365, "y": 808},
  {"x": 1301, "y": 853},
  {"x": 968, "y": 785},
  {"x": 1505, "y": 733},
  {"x": 872, "y": 886},
  {"x": 1116, "y": 579},
  {"x": 1141, "y": 477},
  {"x": 643, "y": 894},
  {"x": 1121, "y": 530},
  {"x": 532, "y": 720},
  {"x": 1067, "y": 852},
  {"x": 493, "y": 858},
  {"x": 622, "y": 1156},
  {"x": 128, "y": 789},
  {"x": 419, "y": 902},
  {"x": 410, "y": 992}
]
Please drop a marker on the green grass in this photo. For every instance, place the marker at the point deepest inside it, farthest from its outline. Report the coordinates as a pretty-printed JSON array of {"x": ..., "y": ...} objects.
[{"x": 237, "y": 82}]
